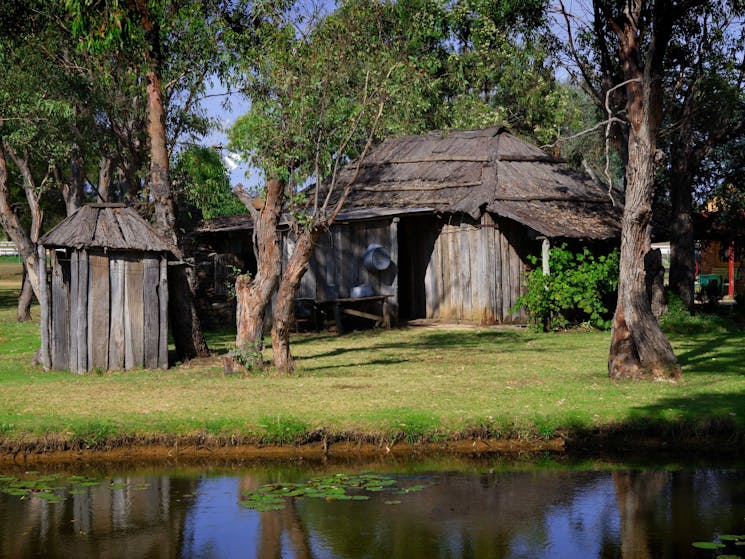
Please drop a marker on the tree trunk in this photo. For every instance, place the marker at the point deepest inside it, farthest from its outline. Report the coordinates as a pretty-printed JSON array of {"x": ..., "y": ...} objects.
[
  {"x": 284, "y": 309},
  {"x": 73, "y": 193},
  {"x": 639, "y": 349},
  {"x": 182, "y": 314},
  {"x": 24, "y": 242},
  {"x": 25, "y": 299},
  {"x": 253, "y": 296},
  {"x": 655, "y": 276},
  {"x": 682, "y": 249},
  {"x": 104, "y": 179},
  {"x": 638, "y": 346},
  {"x": 187, "y": 330},
  {"x": 637, "y": 496}
]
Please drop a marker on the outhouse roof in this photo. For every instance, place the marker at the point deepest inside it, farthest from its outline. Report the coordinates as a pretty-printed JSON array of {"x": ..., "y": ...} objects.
[{"x": 107, "y": 226}]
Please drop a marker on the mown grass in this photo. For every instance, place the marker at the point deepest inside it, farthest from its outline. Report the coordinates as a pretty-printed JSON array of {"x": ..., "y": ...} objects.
[{"x": 425, "y": 384}]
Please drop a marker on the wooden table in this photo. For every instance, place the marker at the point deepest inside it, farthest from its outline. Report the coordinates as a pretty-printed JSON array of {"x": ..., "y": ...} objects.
[{"x": 353, "y": 306}]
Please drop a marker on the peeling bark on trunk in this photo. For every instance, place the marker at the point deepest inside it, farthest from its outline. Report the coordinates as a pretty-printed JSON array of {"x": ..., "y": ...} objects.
[
  {"x": 25, "y": 299},
  {"x": 634, "y": 323},
  {"x": 284, "y": 310},
  {"x": 639, "y": 349},
  {"x": 655, "y": 275},
  {"x": 24, "y": 242},
  {"x": 186, "y": 328},
  {"x": 682, "y": 251},
  {"x": 73, "y": 192},
  {"x": 104, "y": 179},
  {"x": 253, "y": 296}
]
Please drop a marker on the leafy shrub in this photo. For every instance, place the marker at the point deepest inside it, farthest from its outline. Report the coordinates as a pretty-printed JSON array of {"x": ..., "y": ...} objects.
[
  {"x": 679, "y": 320},
  {"x": 581, "y": 288}
]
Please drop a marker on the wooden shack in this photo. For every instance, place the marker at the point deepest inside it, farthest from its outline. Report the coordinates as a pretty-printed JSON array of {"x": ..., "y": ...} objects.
[
  {"x": 459, "y": 213},
  {"x": 104, "y": 303}
]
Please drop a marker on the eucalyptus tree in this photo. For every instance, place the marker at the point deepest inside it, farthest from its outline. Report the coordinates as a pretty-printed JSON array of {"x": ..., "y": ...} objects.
[
  {"x": 704, "y": 109},
  {"x": 201, "y": 179},
  {"x": 324, "y": 88},
  {"x": 622, "y": 57},
  {"x": 40, "y": 124},
  {"x": 666, "y": 75},
  {"x": 498, "y": 70},
  {"x": 172, "y": 47},
  {"x": 321, "y": 92}
]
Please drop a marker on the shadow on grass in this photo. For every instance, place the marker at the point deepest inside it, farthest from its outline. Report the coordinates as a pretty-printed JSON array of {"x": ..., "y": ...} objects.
[
  {"x": 347, "y": 366},
  {"x": 9, "y": 298},
  {"x": 706, "y": 421},
  {"x": 498, "y": 340},
  {"x": 713, "y": 354}
]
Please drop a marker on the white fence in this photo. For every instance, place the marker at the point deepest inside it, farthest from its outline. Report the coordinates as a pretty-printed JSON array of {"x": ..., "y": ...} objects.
[{"x": 7, "y": 248}]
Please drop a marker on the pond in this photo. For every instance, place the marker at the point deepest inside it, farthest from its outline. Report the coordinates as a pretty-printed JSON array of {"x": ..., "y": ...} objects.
[{"x": 447, "y": 507}]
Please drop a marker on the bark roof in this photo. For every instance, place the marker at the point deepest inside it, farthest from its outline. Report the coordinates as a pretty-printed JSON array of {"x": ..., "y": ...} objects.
[
  {"x": 472, "y": 171},
  {"x": 109, "y": 226}
]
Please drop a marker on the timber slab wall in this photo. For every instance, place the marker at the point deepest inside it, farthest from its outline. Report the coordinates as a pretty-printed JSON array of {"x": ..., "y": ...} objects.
[{"x": 104, "y": 310}]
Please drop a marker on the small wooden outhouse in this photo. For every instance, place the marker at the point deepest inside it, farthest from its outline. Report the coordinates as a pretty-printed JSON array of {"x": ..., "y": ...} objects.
[{"x": 104, "y": 296}]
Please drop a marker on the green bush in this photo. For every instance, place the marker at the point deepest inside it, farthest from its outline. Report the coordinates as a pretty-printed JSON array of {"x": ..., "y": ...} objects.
[{"x": 580, "y": 289}]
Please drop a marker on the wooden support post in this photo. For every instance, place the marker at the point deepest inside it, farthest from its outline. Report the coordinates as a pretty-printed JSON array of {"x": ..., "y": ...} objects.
[
  {"x": 98, "y": 312},
  {"x": 46, "y": 360},
  {"x": 392, "y": 302},
  {"x": 337, "y": 318},
  {"x": 116, "y": 328},
  {"x": 60, "y": 317},
  {"x": 82, "y": 314},
  {"x": 163, "y": 314},
  {"x": 133, "y": 315},
  {"x": 151, "y": 310},
  {"x": 72, "y": 341},
  {"x": 545, "y": 254}
]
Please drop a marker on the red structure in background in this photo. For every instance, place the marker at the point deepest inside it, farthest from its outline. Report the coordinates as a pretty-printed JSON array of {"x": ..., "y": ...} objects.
[{"x": 731, "y": 270}]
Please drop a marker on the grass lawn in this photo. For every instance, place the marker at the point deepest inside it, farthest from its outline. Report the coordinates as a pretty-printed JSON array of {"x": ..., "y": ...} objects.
[{"x": 419, "y": 384}]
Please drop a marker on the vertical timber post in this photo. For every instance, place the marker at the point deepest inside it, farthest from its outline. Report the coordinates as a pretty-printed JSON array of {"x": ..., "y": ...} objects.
[
  {"x": 82, "y": 333},
  {"x": 43, "y": 290},
  {"x": 392, "y": 301},
  {"x": 545, "y": 253},
  {"x": 163, "y": 325}
]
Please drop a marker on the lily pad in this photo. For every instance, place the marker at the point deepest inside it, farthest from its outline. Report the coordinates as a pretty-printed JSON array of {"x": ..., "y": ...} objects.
[
  {"x": 51, "y": 497},
  {"x": 708, "y": 545}
]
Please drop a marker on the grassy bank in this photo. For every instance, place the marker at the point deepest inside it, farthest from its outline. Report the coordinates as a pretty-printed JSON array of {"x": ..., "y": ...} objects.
[{"x": 385, "y": 387}]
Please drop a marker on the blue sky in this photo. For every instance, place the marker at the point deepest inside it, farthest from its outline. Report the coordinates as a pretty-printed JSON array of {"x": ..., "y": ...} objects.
[{"x": 213, "y": 104}]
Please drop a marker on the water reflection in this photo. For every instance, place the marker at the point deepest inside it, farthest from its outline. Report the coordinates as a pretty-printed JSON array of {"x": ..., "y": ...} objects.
[{"x": 481, "y": 512}]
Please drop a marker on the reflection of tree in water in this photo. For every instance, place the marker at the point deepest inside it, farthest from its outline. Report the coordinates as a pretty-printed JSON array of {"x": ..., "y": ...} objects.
[
  {"x": 637, "y": 494},
  {"x": 461, "y": 516},
  {"x": 274, "y": 524},
  {"x": 138, "y": 517},
  {"x": 663, "y": 512},
  {"x": 537, "y": 514}
]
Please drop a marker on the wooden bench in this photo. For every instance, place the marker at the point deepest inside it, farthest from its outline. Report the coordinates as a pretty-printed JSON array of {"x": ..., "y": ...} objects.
[{"x": 360, "y": 307}]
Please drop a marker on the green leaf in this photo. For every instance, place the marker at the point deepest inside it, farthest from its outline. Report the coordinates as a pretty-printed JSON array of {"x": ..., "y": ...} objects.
[{"x": 708, "y": 545}]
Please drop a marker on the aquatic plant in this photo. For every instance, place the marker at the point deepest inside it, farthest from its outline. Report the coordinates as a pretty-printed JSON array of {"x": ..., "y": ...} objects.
[{"x": 339, "y": 487}]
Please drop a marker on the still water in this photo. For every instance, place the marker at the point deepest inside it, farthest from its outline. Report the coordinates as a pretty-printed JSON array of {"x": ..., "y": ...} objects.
[{"x": 438, "y": 508}]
